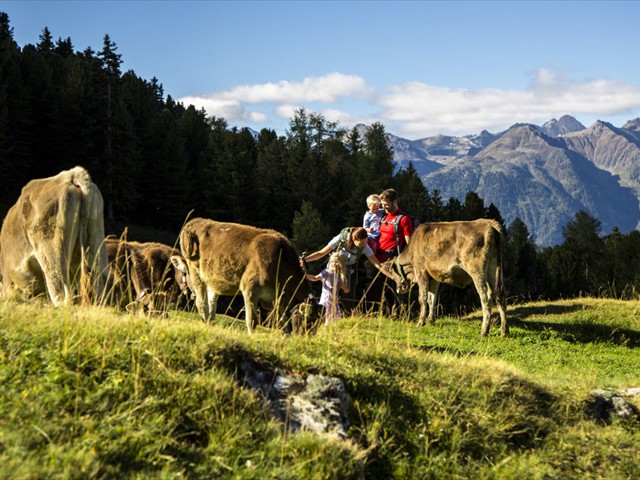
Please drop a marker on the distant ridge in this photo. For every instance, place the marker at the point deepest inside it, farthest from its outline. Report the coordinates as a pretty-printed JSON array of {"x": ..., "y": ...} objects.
[{"x": 541, "y": 174}]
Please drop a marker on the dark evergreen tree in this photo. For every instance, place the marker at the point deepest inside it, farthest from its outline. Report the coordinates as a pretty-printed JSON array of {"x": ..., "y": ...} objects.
[
  {"x": 241, "y": 188},
  {"x": 473, "y": 207},
  {"x": 110, "y": 62},
  {"x": 578, "y": 265},
  {"x": 164, "y": 184},
  {"x": 312, "y": 149},
  {"x": 414, "y": 196},
  {"x": 454, "y": 210},
  {"x": 6, "y": 32},
  {"x": 274, "y": 205},
  {"x": 623, "y": 254},
  {"x": 45, "y": 45},
  {"x": 64, "y": 48},
  {"x": 493, "y": 213},
  {"x": 520, "y": 261},
  {"x": 310, "y": 232},
  {"x": 195, "y": 131},
  {"x": 371, "y": 170}
]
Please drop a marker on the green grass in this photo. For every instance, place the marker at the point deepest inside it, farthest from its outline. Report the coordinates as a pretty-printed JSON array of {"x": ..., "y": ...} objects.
[{"x": 92, "y": 393}]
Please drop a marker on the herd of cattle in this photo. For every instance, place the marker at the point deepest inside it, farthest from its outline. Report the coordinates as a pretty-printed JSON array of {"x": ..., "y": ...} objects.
[{"x": 53, "y": 242}]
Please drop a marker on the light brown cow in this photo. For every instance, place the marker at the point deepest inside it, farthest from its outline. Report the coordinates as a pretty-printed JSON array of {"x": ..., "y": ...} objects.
[
  {"x": 52, "y": 239},
  {"x": 227, "y": 258},
  {"x": 457, "y": 253}
]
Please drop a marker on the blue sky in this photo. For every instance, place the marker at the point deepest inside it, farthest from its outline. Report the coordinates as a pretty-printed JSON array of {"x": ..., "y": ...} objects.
[{"x": 421, "y": 68}]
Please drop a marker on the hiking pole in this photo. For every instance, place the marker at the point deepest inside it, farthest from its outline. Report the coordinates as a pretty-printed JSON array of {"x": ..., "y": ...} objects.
[{"x": 305, "y": 267}]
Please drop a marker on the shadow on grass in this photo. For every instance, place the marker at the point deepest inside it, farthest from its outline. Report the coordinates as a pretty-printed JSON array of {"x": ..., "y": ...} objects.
[{"x": 580, "y": 331}]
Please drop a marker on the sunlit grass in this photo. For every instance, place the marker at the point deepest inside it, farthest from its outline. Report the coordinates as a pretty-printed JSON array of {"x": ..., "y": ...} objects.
[{"x": 94, "y": 393}]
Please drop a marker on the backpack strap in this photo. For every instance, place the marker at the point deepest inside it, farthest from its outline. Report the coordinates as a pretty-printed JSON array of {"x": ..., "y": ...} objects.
[{"x": 395, "y": 223}]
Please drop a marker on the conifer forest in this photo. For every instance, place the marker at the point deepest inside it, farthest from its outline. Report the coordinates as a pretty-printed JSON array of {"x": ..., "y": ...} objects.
[{"x": 157, "y": 162}]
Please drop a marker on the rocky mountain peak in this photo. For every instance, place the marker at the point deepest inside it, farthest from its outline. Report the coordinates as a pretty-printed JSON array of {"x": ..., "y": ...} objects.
[
  {"x": 566, "y": 124},
  {"x": 632, "y": 124},
  {"x": 543, "y": 175}
]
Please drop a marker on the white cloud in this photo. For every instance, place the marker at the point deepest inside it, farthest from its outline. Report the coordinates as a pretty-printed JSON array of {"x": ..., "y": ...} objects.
[
  {"x": 417, "y": 109},
  {"x": 230, "y": 110},
  {"x": 324, "y": 89}
]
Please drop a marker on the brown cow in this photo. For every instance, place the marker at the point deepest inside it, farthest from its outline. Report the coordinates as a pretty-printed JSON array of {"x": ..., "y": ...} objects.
[
  {"x": 457, "y": 253},
  {"x": 227, "y": 258},
  {"x": 129, "y": 278},
  {"x": 168, "y": 281},
  {"x": 144, "y": 273},
  {"x": 52, "y": 239}
]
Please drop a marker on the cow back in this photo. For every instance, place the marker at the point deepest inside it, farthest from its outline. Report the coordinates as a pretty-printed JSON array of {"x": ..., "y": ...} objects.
[
  {"x": 227, "y": 254},
  {"x": 450, "y": 251}
]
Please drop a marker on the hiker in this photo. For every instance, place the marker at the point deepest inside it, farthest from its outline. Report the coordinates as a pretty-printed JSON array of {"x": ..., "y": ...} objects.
[
  {"x": 395, "y": 229},
  {"x": 352, "y": 243},
  {"x": 334, "y": 279}
]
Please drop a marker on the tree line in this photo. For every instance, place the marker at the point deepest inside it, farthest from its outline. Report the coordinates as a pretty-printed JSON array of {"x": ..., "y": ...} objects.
[{"x": 156, "y": 161}]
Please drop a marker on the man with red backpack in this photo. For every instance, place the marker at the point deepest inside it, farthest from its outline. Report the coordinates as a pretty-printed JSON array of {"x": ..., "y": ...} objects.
[{"x": 395, "y": 229}]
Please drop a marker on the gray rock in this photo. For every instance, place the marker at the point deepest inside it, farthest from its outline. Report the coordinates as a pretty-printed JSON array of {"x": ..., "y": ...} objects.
[
  {"x": 315, "y": 403},
  {"x": 608, "y": 403}
]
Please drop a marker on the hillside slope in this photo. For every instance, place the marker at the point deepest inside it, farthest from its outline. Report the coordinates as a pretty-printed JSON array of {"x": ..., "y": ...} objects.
[{"x": 89, "y": 393}]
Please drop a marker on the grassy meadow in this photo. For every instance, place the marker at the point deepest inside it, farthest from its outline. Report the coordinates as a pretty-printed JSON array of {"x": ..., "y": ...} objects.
[{"x": 89, "y": 392}]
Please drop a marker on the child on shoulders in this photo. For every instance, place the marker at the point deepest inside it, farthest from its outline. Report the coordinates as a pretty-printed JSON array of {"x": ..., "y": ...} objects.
[{"x": 372, "y": 219}]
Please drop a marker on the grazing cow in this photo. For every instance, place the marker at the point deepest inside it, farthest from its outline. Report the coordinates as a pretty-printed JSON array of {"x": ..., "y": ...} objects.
[
  {"x": 144, "y": 273},
  {"x": 129, "y": 278},
  {"x": 457, "y": 253},
  {"x": 168, "y": 281},
  {"x": 227, "y": 258},
  {"x": 52, "y": 239}
]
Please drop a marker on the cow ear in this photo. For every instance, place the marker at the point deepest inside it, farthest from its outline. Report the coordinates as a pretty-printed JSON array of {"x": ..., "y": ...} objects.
[{"x": 178, "y": 263}]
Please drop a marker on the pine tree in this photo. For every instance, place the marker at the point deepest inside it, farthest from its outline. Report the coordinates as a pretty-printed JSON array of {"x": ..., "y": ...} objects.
[
  {"x": 6, "y": 33},
  {"x": 275, "y": 208},
  {"x": 520, "y": 262},
  {"x": 110, "y": 62},
  {"x": 414, "y": 196},
  {"x": 578, "y": 265},
  {"x": 473, "y": 206},
  {"x": 45, "y": 45},
  {"x": 310, "y": 232},
  {"x": 623, "y": 254}
]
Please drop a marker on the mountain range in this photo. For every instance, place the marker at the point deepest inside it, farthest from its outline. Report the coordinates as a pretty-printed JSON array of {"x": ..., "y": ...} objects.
[{"x": 541, "y": 174}]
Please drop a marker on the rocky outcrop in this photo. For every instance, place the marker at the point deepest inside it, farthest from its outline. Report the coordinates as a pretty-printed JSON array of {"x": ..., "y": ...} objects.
[
  {"x": 607, "y": 404},
  {"x": 315, "y": 403}
]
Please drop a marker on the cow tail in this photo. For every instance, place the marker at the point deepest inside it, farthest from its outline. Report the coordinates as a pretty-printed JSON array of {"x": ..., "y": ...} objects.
[
  {"x": 189, "y": 244},
  {"x": 81, "y": 180}
]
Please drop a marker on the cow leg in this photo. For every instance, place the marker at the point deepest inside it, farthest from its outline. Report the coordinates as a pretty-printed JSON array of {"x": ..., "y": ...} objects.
[
  {"x": 497, "y": 299},
  {"x": 250, "y": 307},
  {"x": 482, "y": 289},
  {"x": 504, "y": 327},
  {"x": 55, "y": 276},
  {"x": 432, "y": 299},
  {"x": 212, "y": 304},
  {"x": 202, "y": 297},
  {"x": 423, "y": 294}
]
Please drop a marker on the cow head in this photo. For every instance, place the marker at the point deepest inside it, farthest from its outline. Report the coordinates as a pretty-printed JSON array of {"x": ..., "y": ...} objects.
[
  {"x": 181, "y": 271},
  {"x": 404, "y": 268}
]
